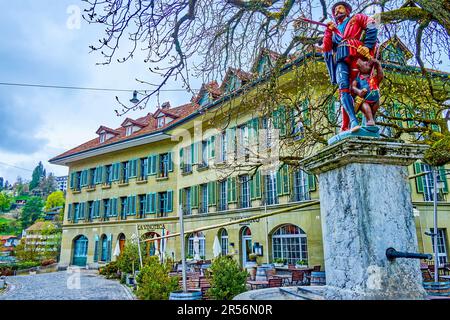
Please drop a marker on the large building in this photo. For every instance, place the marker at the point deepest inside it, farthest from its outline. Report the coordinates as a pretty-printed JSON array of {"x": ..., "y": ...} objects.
[
  {"x": 137, "y": 178},
  {"x": 62, "y": 183}
]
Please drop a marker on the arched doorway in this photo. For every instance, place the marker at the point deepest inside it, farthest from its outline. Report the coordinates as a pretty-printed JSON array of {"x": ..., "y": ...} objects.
[
  {"x": 80, "y": 248},
  {"x": 246, "y": 241},
  {"x": 289, "y": 242},
  {"x": 152, "y": 246},
  {"x": 121, "y": 240}
]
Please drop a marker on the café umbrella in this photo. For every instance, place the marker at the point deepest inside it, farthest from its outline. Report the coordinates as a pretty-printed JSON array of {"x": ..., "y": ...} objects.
[
  {"x": 117, "y": 249},
  {"x": 217, "y": 249}
]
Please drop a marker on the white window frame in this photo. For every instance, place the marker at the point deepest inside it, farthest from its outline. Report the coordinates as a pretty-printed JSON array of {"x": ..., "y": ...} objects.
[{"x": 292, "y": 240}]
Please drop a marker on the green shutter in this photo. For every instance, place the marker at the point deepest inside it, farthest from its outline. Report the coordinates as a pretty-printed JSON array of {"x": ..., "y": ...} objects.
[
  {"x": 443, "y": 176},
  {"x": 181, "y": 159},
  {"x": 116, "y": 171},
  {"x": 132, "y": 168},
  {"x": 151, "y": 165},
  {"x": 231, "y": 189},
  {"x": 170, "y": 156},
  {"x": 212, "y": 193},
  {"x": 72, "y": 180},
  {"x": 96, "y": 248},
  {"x": 194, "y": 196},
  {"x": 169, "y": 201},
  {"x": 279, "y": 182},
  {"x": 258, "y": 185},
  {"x": 285, "y": 177},
  {"x": 69, "y": 212},
  {"x": 311, "y": 182},
  {"x": 109, "y": 247},
  {"x": 231, "y": 142},
  {"x": 152, "y": 202},
  {"x": 419, "y": 180}
]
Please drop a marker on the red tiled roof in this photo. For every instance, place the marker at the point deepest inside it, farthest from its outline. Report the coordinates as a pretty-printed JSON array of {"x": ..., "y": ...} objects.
[
  {"x": 109, "y": 130},
  {"x": 149, "y": 126},
  {"x": 211, "y": 87},
  {"x": 242, "y": 75}
]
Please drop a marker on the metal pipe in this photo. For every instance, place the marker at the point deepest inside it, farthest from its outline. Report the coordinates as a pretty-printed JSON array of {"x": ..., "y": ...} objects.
[
  {"x": 139, "y": 246},
  {"x": 393, "y": 254},
  {"x": 435, "y": 236},
  {"x": 183, "y": 253}
]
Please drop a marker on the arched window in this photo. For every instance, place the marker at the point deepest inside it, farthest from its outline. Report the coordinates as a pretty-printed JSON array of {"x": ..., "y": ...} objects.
[
  {"x": 224, "y": 241},
  {"x": 201, "y": 239},
  {"x": 289, "y": 243}
]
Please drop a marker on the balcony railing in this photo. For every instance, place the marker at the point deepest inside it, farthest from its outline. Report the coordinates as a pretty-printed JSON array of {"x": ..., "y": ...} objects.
[
  {"x": 300, "y": 196},
  {"x": 223, "y": 206},
  {"x": 203, "y": 207},
  {"x": 187, "y": 210}
]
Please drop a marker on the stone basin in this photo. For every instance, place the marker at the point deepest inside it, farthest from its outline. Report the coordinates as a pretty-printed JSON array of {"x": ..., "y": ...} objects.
[{"x": 284, "y": 293}]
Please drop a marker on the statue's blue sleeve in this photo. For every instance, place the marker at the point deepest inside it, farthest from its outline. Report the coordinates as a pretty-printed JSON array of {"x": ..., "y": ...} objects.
[
  {"x": 371, "y": 35},
  {"x": 331, "y": 66}
]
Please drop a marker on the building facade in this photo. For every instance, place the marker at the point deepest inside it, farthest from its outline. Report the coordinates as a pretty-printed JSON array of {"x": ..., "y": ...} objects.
[
  {"x": 137, "y": 178},
  {"x": 62, "y": 183}
]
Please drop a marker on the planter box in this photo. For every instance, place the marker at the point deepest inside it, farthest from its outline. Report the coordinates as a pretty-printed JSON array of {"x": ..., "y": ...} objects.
[{"x": 278, "y": 265}]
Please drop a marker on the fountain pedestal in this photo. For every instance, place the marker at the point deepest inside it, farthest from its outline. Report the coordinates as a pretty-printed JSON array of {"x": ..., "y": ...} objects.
[{"x": 366, "y": 207}]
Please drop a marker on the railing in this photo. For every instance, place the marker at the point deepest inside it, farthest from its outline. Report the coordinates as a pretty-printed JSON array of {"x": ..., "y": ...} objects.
[
  {"x": 187, "y": 168},
  {"x": 300, "y": 196},
  {"x": 203, "y": 207},
  {"x": 187, "y": 210},
  {"x": 269, "y": 201},
  {"x": 222, "y": 206}
]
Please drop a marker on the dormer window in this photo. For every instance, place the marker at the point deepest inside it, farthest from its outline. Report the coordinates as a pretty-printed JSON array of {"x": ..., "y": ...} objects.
[
  {"x": 161, "y": 122},
  {"x": 105, "y": 133},
  {"x": 129, "y": 130}
]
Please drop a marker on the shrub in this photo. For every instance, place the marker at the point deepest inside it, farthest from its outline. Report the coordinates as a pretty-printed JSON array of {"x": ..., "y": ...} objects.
[
  {"x": 110, "y": 271},
  {"x": 227, "y": 278},
  {"x": 154, "y": 282},
  {"x": 128, "y": 258}
]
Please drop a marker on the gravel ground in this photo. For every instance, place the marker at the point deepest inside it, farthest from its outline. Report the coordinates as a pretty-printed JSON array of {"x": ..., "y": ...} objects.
[{"x": 64, "y": 285}]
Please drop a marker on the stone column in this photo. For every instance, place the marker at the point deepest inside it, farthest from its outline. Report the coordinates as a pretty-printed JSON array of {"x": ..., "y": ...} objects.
[{"x": 366, "y": 207}]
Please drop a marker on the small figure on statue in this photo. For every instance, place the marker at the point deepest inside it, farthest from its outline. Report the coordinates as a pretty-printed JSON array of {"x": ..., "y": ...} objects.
[
  {"x": 343, "y": 45},
  {"x": 366, "y": 90}
]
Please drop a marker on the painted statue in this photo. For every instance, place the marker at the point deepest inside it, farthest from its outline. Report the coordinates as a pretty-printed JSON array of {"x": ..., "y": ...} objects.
[
  {"x": 366, "y": 90},
  {"x": 343, "y": 45}
]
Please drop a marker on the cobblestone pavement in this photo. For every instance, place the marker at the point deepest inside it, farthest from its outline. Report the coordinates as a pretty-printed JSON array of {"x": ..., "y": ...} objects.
[{"x": 64, "y": 285}]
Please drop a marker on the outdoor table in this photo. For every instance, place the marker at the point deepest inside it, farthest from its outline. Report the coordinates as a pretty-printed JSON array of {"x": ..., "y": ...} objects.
[
  {"x": 285, "y": 277},
  {"x": 257, "y": 283}
]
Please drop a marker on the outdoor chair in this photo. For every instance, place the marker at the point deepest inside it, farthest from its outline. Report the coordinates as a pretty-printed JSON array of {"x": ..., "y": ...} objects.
[
  {"x": 275, "y": 282},
  {"x": 204, "y": 286},
  {"x": 270, "y": 273},
  {"x": 316, "y": 268},
  {"x": 427, "y": 276},
  {"x": 298, "y": 276}
]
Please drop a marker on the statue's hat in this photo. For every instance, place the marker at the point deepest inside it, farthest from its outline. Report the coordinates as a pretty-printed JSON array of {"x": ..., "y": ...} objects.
[{"x": 345, "y": 4}]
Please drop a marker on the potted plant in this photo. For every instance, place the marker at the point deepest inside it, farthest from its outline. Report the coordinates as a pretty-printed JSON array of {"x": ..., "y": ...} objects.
[
  {"x": 278, "y": 262},
  {"x": 301, "y": 264}
]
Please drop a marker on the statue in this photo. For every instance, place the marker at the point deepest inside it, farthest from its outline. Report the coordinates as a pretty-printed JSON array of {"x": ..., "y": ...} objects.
[
  {"x": 366, "y": 88},
  {"x": 342, "y": 47}
]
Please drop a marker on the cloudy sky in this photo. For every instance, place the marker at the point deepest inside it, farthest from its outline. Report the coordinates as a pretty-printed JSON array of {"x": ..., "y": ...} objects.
[{"x": 41, "y": 44}]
